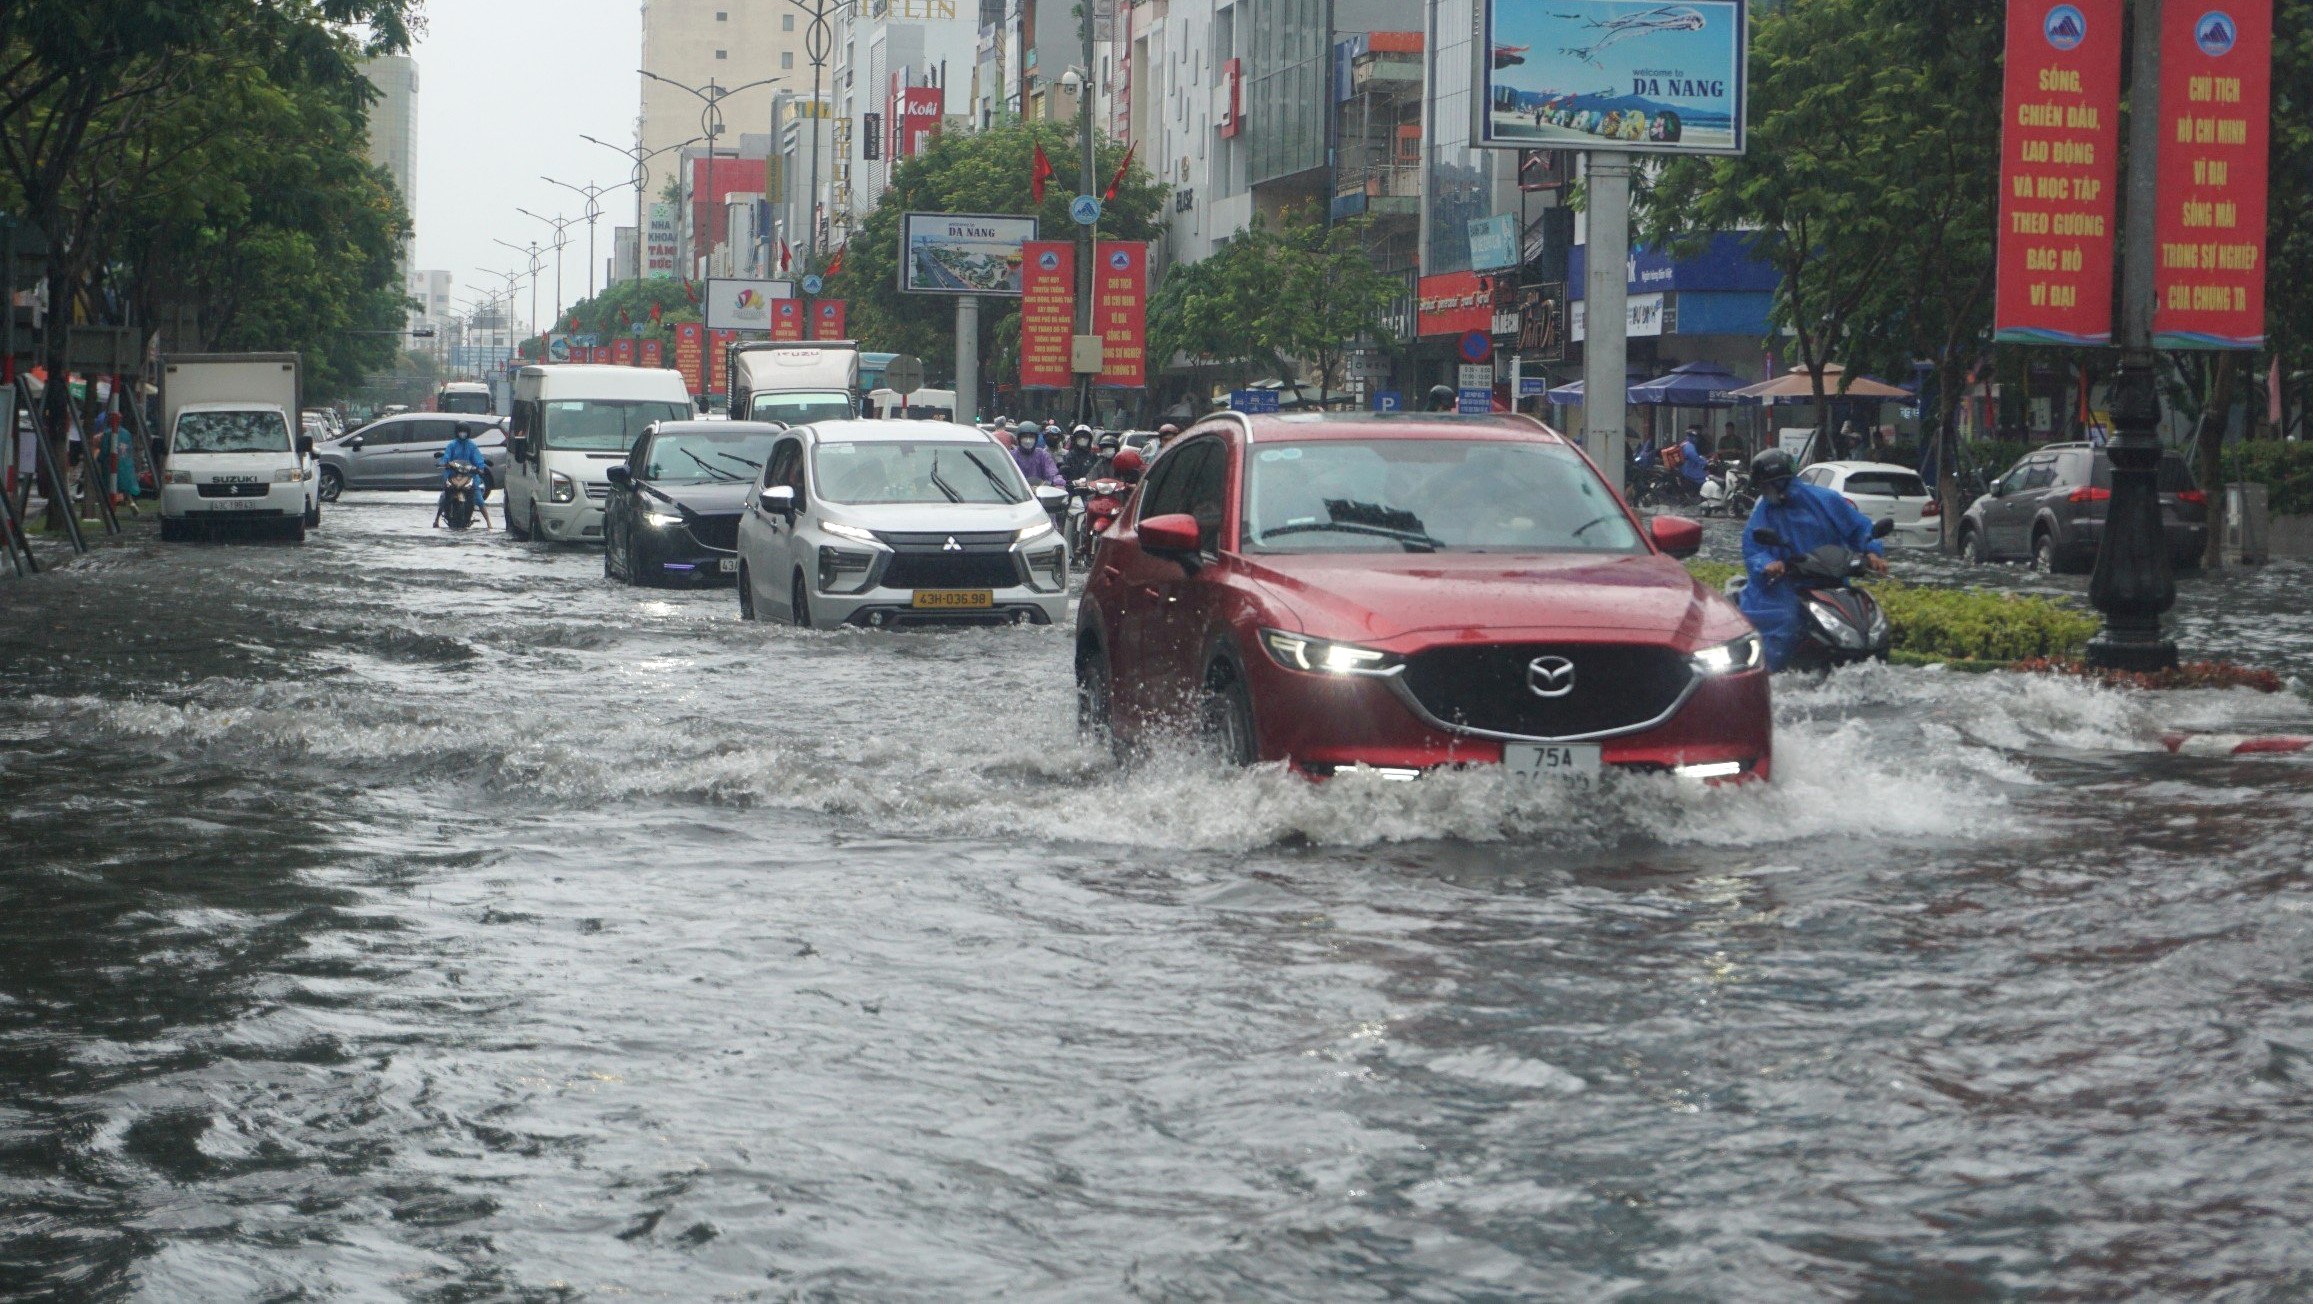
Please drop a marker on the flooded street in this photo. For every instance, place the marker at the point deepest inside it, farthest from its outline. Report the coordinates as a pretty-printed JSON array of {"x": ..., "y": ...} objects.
[{"x": 411, "y": 916}]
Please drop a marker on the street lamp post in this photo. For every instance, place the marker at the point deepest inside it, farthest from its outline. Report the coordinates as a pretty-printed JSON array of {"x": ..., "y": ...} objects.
[
  {"x": 594, "y": 194},
  {"x": 561, "y": 227},
  {"x": 710, "y": 121},
  {"x": 817, "y": 41},
  {"x": 537, "y": 257},
  {"x": 640, "y": 158}
]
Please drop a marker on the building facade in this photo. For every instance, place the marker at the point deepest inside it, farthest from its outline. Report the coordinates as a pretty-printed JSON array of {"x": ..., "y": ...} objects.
[
  {"x": 393, "y": 131},
  {"x": 725, "y": 43}
]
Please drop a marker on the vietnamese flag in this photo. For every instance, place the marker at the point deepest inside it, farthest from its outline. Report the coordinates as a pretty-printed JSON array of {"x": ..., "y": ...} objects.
[
  {"x": 835, "y": 264},
  {"x": 655, "y": 311},
  {"x": 1109, "y": 196},
  {"x": 1040, "y": 174}
]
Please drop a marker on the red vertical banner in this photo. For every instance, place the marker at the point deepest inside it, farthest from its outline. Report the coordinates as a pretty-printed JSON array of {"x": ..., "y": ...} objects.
[
  {"x": 2059, "y": 168},
  {"x": 1047, "y": 312},
  {"x": 1120, "y": 312},
  {"x": 719, "y": 344},
  {"x": 787, "y": 319},
  {"x": 2216, "y": 93},
  {"x": 691, "y": 353},
  {"x": 654, "y": 353},
  {"x": 622, "y": 352},
  {"x": 601, "y": 353},
  {"x": 827, "y": 319}
]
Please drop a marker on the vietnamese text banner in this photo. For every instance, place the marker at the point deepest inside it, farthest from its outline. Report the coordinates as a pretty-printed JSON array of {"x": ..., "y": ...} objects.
[
  {"x": 1047, "y": 312},
  {"x": 787, "y": 319},
  {"x": 719, "y": 344},
  {"x": 622, "y": 352},
  {"x": 690, "y": 354},
  {"x": 2216, "y": 90},
  {"x": 827, "y": 319},
  {"x": 654, "y": 353},
  {"x": 1120, "y": 308},
  {"x": 1613, "y": 74},
  {"x": 2059, "y": 165}
]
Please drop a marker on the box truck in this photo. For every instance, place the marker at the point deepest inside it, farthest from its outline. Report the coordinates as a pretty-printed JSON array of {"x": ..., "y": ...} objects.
[
  {"x": 794, "y": 382},
  {"x": 236, "y": 453}
]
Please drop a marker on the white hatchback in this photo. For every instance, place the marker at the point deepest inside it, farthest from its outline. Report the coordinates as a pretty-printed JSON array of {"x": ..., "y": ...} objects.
[
  {"x": 1883, "y": 489},
  {"x": 888, "y": 523}
]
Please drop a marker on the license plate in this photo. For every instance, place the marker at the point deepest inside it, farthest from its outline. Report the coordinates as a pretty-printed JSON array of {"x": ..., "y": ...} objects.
[
  {"x": 728, "y": 565},
  {"x": 1550, "y": 761},
  {"x": 955, "y": 598},
  {"x": 240, "y": 504}
]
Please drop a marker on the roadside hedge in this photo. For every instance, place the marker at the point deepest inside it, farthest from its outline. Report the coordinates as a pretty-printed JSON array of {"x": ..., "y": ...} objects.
[
  {"x": 1933, "y": 624},
  {"x": 2285, "y": 469}
]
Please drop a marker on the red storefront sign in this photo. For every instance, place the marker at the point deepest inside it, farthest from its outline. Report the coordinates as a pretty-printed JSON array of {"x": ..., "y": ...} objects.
[
  {"x": 914, "y": 117},
  {"x": 654, "y": 354},
  {"x": 1047, "y": 312},
  {"x": 2216, "y": 91},
  {"x": 1452, "y": 303},
  {"x": 787, "y": 319},
  {"x": 2059, "y": 168},
  {"x": 827, "y": 319},
  {"x": 1120, "y": 312},
  {"x": 719, "y": 344},
  {"x": 622, "y": 352},
  {"x": 690, "y": 354}
]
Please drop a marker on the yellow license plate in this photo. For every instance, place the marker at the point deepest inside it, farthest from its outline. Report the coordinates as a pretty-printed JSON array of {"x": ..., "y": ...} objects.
[{"x": 954, "y": 598}]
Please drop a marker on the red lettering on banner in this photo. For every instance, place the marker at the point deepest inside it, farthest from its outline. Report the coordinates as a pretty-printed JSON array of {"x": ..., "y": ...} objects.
[
  {"x": 2216, "y": 91},
  {"x": 1047, "y": 312},
  {"x": 2059, "y": 168}
]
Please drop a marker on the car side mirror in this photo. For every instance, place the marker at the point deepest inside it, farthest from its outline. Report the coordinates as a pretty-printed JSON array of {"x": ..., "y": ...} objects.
[
  {"x": 1676, "y": 535},
  {"x": 1176, "y": 536},
  {"x": 779, "y": 499},
  {"x": 1768, "y": 537},
  {"x": 354, "y": 444},
  {"x": 1883, "y": 527},
  {"x": 305, "y": 445},
  {"x": 619, "y": 475},
  {"x": 1050, "y": 494}
]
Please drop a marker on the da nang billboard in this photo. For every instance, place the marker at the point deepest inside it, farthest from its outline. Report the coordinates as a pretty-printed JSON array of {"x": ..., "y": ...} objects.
[
  {"x": 1613, "y": 74},
  {"x": 962, "y": 253}
]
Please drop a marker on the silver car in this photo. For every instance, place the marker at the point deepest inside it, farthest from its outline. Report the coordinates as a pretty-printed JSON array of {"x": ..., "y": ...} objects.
[
  {"x": 889, "y": 523},
  {"x": 404, "y": 452}
]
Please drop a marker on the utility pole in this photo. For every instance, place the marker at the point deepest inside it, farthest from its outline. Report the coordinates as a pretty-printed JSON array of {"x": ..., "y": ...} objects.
[
  {"x": 817, "y": 41},
  {"x": 1605, "y": 309},
  {"x": 2134, "y": 581},
  {"x": 1087, "y": 242}
]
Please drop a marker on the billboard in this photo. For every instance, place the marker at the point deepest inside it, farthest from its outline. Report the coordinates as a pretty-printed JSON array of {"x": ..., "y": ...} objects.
[
  {"x": 1047, "y": 314},
  {"x": 2216, "y": 91},
  {"x": 659, "y": 242},
  {"x": 743, "y": 305},
  {"x": 1613, "y": 74},
  {"x": 962, "y": 253},
  {"x": 1120, "y": 312},
  {"x": 2059, "y": 164}
]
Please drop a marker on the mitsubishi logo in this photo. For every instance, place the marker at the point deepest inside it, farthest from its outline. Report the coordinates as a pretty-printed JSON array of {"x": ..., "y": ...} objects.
[
  {"x": 1550, "y": 676},
  {"x": 951, "y": 545}
]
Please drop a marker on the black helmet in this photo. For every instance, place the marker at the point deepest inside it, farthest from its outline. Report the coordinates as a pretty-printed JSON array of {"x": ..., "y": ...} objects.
[
  {"x": 1443, "y": 398},
  {"x": 1772, "y": 471},
  {"x": 1109, "y": 442}
]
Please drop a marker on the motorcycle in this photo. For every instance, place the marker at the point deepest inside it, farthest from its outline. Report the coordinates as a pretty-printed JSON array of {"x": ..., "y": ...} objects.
[
  {"x": 1844, "y": 623},
  {"x": 1103, "y": 501},
  {"x": 457, "y": 506},
  {"x": 1727, "y": 491}
]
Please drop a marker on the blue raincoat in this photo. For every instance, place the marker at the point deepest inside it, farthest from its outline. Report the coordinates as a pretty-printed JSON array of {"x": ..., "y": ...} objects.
[
  {"x": 1809, "y": 517},
  {"x": 465, "y": 450}
]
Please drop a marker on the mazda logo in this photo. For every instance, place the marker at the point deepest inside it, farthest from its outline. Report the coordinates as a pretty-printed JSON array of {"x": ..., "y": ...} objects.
[
  {"x": 951, "y": 545},
  {"x": 1550, "y": 676}
]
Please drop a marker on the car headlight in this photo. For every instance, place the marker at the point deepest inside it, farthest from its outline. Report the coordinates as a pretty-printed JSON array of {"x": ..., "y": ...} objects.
[
  {"x": 288, "y": 474},
  {"x": 1048, "y": 570},
  {"x": 1301, "y": 652},
  {"x": 1727, "y": 658},
  {"x": 845, "y": 570},
  {"x": 180, "y": 477},
  {"x": 563, "y": 490},
  {"x": 664, "y": 520},
  {"x": 1036, "y": 531},
  {"x": 851, "y": 532}
]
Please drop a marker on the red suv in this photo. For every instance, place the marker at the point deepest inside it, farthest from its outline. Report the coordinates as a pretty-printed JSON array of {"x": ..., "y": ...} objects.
[{"x": 1405, "y": 592}]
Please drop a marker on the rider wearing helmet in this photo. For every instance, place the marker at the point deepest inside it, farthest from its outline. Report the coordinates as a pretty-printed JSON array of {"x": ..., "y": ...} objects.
[
  {"x": 1127, "y": 465},
  {"x": 1807, "y": 517},
  {"x": 1034, "y": 462},
  {"x": 464, "y": 449},
  {"x": 1443, "y": 399},
  {"x": 1077, "y": 462}
]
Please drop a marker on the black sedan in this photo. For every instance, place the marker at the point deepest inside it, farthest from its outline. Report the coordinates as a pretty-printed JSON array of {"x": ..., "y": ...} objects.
[{"x": 673, "y": 512}]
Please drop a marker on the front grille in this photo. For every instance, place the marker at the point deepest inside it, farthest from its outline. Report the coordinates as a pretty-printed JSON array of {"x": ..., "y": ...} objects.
[
  {"x": 232, "y": 490},
  {"x": 935, "y": 540},
  {"x": 1616, "y": 686},
  {"x": 950, "y": 570},
  {"x": 598, "y": 492},
  {"x": 718, "y": 532}
]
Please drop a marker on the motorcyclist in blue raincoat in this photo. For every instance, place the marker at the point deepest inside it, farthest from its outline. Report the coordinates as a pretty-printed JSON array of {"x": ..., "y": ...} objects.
[
  {"x": 464, "y": 449},
  {"x": 1807, "y": 517}
]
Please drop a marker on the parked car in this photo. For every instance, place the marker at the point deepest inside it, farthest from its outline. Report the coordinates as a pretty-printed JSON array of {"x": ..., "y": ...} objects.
[
  {"x": 1407, "y": 592},
  {"x": 1885, "y": 491},
  {"x": 674, "y": 505},
  {"x": 402, "y": 452},
  {"x": 2049, "y": 509},
  {"x": 892, "y": 523}
]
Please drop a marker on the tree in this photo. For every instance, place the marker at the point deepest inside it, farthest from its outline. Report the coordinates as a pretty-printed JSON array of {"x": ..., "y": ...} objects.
[{"x": 624, "y": 308}]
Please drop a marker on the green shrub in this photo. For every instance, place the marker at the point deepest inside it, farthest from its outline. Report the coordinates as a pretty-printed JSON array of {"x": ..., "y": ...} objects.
[
  {"x": 1934, "y": 624},
  {"x": 1993, "y": 456},
  {"x": 2286, "y": 471}
]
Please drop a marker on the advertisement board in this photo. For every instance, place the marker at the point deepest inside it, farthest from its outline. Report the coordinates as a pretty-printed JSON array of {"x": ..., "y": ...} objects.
[
  {"x": 2216, "y": 90},
  {"x": 2059, "y": 165},
  {"x": 659, "y": 242},
  {"x": 1453, "y": 303},
  {"x": 787, "y": 319},
  {"x": 827, "y": 318},
  {"x": 743, "y": 305},
  {"x": 1120, "y": 312},
  {"x": 1047, "y": 313},
  {"x": 962, "y": 253},
  {"x": 1542, "y": 321},
  {"x": 1613, "y": 74},
  {"x": 690, "y": 354}
]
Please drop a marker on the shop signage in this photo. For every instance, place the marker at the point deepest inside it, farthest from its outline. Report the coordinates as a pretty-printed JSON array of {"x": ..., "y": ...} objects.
[
  {"x": 1047, "y": 312},
  {"x": 1455, "y": 303},
  {"x": 659, "y": 242},
  {"x": 1252, "y": 400},
  {"x": 2059, "y": 168},
  {"x": 1643, "y": 311},
  {"x": 2216, "y": 74},
  {"x": 1612, "y": 74}
]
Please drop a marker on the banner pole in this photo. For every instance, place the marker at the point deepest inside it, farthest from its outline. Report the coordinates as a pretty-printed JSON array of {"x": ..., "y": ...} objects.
[
  {"x": 1606, "y": 320},
  {"x": 967, "y": 359}
]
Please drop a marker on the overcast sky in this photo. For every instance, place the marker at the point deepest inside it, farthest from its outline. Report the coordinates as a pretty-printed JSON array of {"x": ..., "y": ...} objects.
[{"x": 504, "y": 89}]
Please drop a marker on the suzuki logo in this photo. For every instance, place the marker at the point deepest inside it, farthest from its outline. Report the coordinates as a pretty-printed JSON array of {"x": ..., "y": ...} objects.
[
  {"x": 1550, "y": 676},
  {"x": 951, "y": 545}
]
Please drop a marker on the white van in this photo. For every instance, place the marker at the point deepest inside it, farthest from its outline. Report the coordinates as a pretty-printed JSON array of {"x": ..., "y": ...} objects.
[{"x": 572, "y": 423}]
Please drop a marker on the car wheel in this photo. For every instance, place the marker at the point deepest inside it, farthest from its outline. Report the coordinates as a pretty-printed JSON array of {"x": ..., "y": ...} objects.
[
  {"x": 1971, "y": 546},
  {"x": 2043, "y": 553},
  {"x": 1228, "y": 716},
  {"x": 799, "y": 603},
  {"x": 628, "y": 563},
  {"x": 172, "y": 531},
  {"x": 1094, "y": 719},
  {"x": 746, "y": 595},
  {"x": 332, "y": 484},
  {"x": 296, "y": 530}
]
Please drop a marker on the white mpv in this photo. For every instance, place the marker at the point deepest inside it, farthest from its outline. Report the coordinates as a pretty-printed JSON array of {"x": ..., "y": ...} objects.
[{"x": 889, "y": 523}]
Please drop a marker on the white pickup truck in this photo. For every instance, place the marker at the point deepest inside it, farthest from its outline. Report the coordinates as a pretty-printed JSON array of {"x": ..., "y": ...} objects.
[{"x": 236, "y": 453}]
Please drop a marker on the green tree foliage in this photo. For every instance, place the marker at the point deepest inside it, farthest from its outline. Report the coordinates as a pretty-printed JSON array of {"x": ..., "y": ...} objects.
[
  {"x": 983, "y": 172},
  {"x": 625, "y": 309},
  {"x": 1272, "y": 298}
]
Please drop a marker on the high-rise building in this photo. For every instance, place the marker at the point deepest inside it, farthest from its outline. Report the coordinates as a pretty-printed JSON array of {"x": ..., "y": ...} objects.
[
  {"x": 393, "y": 128},
  {"x": 729, "y": 43}
]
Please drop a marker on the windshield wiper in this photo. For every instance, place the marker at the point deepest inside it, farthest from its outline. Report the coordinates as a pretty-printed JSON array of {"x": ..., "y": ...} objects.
[
  {"x": 741, "y": 460},
  {"x": 942, "y": 485},
  {"x": 1413, "y": 540},
  {"x": 1003, "y": 491},
  {"x": 710, "y": 468}
]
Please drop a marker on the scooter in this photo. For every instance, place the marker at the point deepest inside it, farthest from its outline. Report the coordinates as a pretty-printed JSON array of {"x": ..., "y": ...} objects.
[
  {"x": 1103, "y": 502},
  {"x": 1727, "y": 491},
  {"x": 457, "y": 506},
  {"x": 1844, "y": 623}
]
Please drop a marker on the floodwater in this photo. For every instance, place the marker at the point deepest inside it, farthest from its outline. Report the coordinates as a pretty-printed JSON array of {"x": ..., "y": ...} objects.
[{"x": 418, "y": 917}]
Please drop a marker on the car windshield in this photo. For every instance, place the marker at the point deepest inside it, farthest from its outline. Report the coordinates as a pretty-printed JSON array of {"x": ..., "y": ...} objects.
[
  {"x": 696, "y": 456},
  {"x": 889, "y": 471},
  {"x": 468, "y": 403},
  {"x": 798, "y": 409},
  {"x": 606, "y": 425},
  {"x": 1424, "y": 495},
  {"x": 231, "y": 432},
  {"x": 1886, "y": 484}
]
